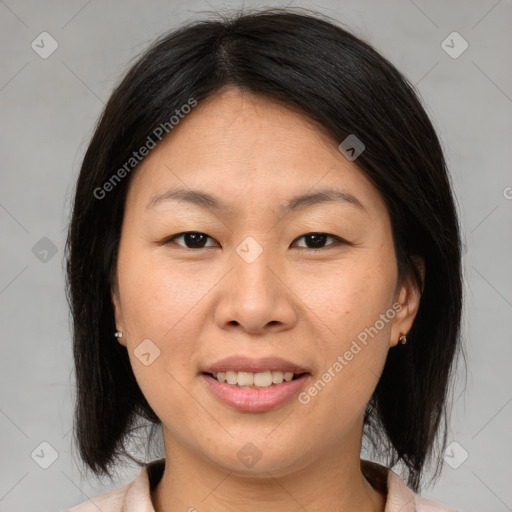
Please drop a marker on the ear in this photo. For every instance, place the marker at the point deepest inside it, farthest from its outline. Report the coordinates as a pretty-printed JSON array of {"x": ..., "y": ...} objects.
[
  {"x": 116, "y": 302},
  {"x": 408, "y": 298}
]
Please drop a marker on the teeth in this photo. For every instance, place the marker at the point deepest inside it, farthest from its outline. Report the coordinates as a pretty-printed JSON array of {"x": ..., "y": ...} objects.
[
  {"x": 250, "y": 380},
  {"x": 262, "y": 379},
  {"x": 245, "y": 379}
]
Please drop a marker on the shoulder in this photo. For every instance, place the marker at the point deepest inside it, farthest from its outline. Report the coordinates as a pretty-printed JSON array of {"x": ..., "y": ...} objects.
[
  {"x": 111, "y": 501},
  {"x": 132, "y": 497},
  {"x": 399, "y": 497},
  {"x": 425, "y": 505}
]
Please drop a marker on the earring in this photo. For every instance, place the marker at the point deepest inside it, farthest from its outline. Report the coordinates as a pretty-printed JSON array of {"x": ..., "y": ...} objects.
[
  {"x": 118, "y": 334},
  {"x": 403, "y": 338}
]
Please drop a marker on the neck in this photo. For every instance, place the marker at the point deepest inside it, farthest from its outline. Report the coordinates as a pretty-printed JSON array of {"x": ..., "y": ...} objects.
[{"x": 331, "y": 482}]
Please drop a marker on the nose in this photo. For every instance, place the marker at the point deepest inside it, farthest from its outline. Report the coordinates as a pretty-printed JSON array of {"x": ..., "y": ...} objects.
[{"x": 255, "y": 297}]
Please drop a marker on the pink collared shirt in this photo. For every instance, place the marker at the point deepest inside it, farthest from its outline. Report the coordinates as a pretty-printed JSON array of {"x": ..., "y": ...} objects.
[{"x": 136, "y": 495}]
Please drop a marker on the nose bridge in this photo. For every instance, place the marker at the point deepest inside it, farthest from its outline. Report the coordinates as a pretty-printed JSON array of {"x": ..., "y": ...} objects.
[
  {"x": 255, "y": 281},
  {"x": 254, "y": 296}
]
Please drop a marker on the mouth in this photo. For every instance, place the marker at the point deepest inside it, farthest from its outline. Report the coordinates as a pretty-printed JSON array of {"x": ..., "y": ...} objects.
[
  {"x": 250, "y": 384},
  {"x": 261, "y": 395},
  {"x": 258, "y": 380}
]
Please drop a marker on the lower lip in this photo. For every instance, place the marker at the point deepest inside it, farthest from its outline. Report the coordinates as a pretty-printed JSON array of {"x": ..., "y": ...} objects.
[{"x": 255, "y": 399}]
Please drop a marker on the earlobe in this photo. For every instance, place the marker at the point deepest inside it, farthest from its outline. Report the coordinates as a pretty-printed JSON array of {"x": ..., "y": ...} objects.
[
  {"x": 409, "y": 299},
  {"x": 118, "y": 317}
]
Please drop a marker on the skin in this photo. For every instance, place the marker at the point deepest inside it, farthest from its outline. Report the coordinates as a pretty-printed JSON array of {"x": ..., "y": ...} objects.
[{"x": 199, "y": 305}]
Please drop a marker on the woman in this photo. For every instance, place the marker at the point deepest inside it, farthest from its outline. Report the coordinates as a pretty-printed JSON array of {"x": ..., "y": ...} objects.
[{"x": 264, "y": 260}]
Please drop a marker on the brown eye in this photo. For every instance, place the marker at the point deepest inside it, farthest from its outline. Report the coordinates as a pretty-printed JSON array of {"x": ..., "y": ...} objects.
[
  {"x": 198, "y": 240},
  {"x": 192, "y": 239},
  {"x": 317, "y": 240}
]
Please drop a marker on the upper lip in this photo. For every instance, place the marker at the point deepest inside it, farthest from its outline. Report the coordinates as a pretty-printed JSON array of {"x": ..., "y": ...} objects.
[{"x": 248, "y": 364}]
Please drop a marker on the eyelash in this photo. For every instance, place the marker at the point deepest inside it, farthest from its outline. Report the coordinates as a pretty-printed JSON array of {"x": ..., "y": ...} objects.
[{"x": 337, "y": 239}]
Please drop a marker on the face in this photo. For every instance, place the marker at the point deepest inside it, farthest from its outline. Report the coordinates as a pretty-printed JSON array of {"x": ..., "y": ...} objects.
[{"x": 314, "y": 284}]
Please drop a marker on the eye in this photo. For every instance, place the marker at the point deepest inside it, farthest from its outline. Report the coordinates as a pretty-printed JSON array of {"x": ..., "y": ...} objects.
[
  {"x": 197, "y": 240},
  {"x": 192, "y": 239},
  {"x": 317, "y": 240}
]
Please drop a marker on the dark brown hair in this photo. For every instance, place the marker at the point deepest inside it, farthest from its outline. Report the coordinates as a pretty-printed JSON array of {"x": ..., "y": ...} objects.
[{"x": 341, "y": 83}]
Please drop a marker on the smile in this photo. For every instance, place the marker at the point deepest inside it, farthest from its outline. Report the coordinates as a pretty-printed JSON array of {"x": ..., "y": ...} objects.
[
  {"x": 254, "y": 392},
  {"x": 254, "y": 380}
]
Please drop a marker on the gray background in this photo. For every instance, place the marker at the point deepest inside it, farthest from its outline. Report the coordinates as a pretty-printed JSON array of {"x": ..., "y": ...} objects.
[{"x": 49, "y": 107}]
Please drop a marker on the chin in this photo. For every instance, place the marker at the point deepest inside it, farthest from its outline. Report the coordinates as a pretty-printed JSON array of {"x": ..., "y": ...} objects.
[{"x": 259, "y": 460}]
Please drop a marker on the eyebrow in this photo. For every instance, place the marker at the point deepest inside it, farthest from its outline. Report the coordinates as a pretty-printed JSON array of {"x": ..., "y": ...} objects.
[{"x": 299, "y": 202}]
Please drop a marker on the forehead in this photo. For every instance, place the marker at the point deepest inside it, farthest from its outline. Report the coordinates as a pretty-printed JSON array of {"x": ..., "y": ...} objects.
[{"x": 248, "y": 150}]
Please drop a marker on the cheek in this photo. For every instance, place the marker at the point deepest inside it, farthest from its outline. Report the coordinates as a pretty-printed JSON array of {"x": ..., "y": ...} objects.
[
  {"x": 158, "y": 308},
  {"x": 352, "y": 309},
  {"x": 349, "y": 297},
  {"x": 158, "y": 295},
  {"x": 160, "y": 304}
]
